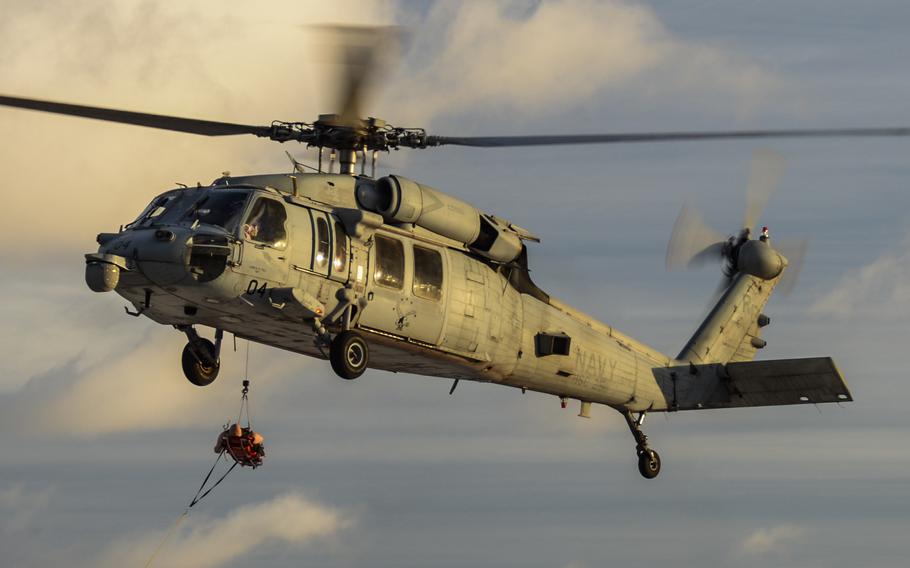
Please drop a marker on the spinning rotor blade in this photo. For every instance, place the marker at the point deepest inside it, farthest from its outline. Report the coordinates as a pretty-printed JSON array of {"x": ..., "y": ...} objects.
[
  {"x": 164, "y": 122},
  {"x": 362, "y": 52},
  {"x": 509, "y": 141},
  {"x": 767, "y": 168},
  {"x": 795, "y": 252},
  {"x": 692, "y": 242}
]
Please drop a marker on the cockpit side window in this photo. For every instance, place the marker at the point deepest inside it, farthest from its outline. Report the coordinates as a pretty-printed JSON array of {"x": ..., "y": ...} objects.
[{"x": 266, "y": 223}]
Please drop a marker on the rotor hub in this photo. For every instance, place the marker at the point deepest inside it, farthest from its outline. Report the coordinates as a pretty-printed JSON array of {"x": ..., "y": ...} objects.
[{"x": 330, "y": 131}]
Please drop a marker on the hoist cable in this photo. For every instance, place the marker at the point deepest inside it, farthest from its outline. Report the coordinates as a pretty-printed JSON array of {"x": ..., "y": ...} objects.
[
  {"x": 167, "y": 536},
  {"x": 246, "y": 388}
]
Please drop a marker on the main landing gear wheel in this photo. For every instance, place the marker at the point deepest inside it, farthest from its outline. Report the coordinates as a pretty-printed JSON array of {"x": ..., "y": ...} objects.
[
  {"x": 349, "y": 354},
  {"x": 195, "y": 370},
  {"x": 649, "y": 464},
  {"x": 648, "y": 459}
]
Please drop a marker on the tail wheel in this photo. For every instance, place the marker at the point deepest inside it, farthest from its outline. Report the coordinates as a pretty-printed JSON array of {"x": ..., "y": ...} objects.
[
  {"x": 649, "y": 464},
  {"x": 196, "y": 372},
  {"x": 349, "y": 354}
]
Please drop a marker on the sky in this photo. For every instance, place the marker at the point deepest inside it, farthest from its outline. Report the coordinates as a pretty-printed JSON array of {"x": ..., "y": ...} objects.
[{"x": 104, "y": 441}]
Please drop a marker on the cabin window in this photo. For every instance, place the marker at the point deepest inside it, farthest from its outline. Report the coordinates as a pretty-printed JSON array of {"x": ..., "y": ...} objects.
[
  {"x": 322, "y": 243},
  {"x": 427, "y": 274},
  {"x": 266, "y": 224},
  {"x": 340, "y": 254},
  {"x": 389, "y": 262}
]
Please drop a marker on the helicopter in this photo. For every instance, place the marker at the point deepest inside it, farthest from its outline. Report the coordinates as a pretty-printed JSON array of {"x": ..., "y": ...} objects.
[{"x": 393, "y": 274}]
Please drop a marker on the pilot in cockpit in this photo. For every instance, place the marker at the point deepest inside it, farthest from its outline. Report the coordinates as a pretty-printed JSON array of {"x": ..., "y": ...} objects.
[{"x": 266, "y": 224}]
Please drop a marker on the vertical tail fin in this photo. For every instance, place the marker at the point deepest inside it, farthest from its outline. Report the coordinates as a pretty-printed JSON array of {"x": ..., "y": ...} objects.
[{"x": 732, "y": 330}]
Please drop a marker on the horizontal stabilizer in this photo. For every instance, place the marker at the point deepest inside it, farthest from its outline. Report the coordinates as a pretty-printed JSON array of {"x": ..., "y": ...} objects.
[{"x": 753, "y": 383}]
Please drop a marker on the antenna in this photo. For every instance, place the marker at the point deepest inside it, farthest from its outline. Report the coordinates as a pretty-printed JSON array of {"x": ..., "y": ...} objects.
[{"x": 298, "y": 167}]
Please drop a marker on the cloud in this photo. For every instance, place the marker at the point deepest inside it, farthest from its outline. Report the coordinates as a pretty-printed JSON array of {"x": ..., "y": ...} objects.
[
  {"x": 66, "y": 179},
  {"x": 19, "y": 507},
  {"x": 132, "y": 382},
  {"x": 136, "y": 389},
  {"x": 89, "y": 370},
  {"x": 289, "y": 519},
  {"x": 773, "y": 539},
  {"x": 879, "y": 290},
  {"x": 507, "y": 55}
]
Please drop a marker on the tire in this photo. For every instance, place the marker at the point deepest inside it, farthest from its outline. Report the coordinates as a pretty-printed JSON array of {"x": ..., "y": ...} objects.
[
  {"x": 649, "y": 464},
  {"x": 195, "y": 371},
  {"x": 349, "y": 355}
]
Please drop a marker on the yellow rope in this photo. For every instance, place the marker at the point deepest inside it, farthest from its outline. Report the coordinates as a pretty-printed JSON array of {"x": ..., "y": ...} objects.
[{"x": 167, "y": 536}]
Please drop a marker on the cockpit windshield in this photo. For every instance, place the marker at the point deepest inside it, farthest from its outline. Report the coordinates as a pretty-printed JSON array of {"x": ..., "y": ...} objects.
[
  {"x": 156, "y": 208},
  {"x": 220, "y": 207}
]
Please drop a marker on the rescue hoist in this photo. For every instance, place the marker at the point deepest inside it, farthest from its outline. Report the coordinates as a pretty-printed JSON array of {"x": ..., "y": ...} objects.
[{"x": 242, "y": 444}]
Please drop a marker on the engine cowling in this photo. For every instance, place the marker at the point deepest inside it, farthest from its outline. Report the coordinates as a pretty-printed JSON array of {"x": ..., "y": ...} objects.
[{"x": 401, "y": 200}]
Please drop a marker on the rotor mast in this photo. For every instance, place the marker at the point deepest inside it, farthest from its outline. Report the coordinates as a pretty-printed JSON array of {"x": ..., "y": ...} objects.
[{"x": 347, "y": 161}]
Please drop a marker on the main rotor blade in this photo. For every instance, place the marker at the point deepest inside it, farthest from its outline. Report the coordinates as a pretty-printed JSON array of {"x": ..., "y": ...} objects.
[
  {"x": 363, "y": 52},
  {"x": 546, "y": 140},
  {"x": 766, "y": 170},
  {"x": 692, "y": 242},
  {"x": 164, "y": 122}
]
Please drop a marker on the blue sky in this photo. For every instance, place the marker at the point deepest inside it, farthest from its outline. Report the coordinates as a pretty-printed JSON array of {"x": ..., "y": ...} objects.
[{"x": 105, "y": 440}]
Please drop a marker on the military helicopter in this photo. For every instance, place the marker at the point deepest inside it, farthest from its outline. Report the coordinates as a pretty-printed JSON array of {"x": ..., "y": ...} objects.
[{"x": 393, "y": 274}]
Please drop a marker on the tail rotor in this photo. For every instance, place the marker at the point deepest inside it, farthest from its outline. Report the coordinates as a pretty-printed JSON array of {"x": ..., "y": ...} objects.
[{"x": 694, "y": 243}]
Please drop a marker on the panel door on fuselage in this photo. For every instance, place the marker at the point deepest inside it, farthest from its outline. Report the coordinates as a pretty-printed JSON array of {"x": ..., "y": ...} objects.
[
  {"x": 265, "y": 242},
  {"x": 407, "y": 296}
]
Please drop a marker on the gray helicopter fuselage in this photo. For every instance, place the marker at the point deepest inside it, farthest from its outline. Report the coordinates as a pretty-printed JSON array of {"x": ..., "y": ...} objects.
[{"x": 426, "y": 304}]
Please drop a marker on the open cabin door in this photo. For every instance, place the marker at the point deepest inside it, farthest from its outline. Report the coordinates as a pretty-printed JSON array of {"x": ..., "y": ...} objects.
[{"x": 265, "y": 242}]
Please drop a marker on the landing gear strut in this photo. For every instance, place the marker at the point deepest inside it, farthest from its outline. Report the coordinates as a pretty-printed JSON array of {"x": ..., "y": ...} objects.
[
  {"x": 349, "y": 354},
  {"x": 648, "y": 459},
  {"x": 201, "y": 358}
]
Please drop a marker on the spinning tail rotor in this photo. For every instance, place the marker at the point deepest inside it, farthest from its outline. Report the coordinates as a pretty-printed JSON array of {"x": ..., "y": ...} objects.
[{"x": 694, "y": 243}]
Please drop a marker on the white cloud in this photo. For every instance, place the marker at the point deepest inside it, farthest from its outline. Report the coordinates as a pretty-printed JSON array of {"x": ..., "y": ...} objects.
[
  {"x": 66, "y": 179},
  {"x": 505, "y": 55},
  {"x": 289, "y": 519},
  {"x": 131, "y": 382},
  {"x": 772, "y": 539},
  {"x": 879, "y": 290},
  {"x": 89, "y": 369}
]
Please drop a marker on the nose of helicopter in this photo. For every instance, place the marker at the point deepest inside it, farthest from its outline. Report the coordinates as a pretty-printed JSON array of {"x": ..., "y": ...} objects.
[{"x": 164, "y": 256}]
